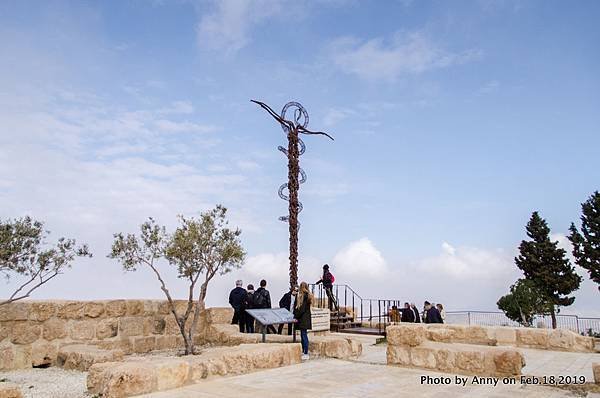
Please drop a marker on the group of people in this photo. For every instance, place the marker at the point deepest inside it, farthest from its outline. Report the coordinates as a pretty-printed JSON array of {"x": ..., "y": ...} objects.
[
  {"x": 432, "y": 313},
  {"x": 297, "y": 300}
]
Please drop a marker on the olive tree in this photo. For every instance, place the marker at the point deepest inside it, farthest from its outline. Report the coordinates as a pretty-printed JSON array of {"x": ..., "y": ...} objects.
[
  {"x": 198, "y": 250},
  {"x": 25, "y": 255}
]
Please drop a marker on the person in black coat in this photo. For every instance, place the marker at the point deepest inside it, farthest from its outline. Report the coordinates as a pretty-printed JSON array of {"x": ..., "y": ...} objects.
[
  {"x": 237, "y": 300},
  {"x": 262, "y": 299},
  {"x": 303, "y": 316},
  {"x": 250, "y": 305},
  {"x": 407, "y": 314},
  {"x": 327, "y": 280},
  {"x": 432, "y": 315},
  {"x": 415, "y": 311},
  {"x": 286, "y": 302}
]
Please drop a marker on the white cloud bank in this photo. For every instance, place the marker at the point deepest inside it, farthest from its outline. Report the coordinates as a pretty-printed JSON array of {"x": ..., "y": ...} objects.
[
  {"x": 388, "y": 59},
  {"x": 360, "y": 259}
]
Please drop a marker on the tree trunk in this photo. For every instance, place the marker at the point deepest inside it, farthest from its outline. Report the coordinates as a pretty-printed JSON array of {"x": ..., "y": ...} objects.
[
  {"x": 553, "y": 315},
  {"x": 293, "y": 185},
  {"x": 200, "y": 306}
]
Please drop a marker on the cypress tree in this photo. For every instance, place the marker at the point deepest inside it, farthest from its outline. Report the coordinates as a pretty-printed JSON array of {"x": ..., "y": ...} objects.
[
  {"x": 586, "y": 245},
  {"x": 546, "y": 265}
]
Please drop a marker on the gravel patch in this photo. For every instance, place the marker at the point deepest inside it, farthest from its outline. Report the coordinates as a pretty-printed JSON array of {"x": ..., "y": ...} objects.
[{"x": 49, "y": 383}]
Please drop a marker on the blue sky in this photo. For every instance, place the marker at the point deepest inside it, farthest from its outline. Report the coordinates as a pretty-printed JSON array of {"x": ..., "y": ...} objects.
[{"x": 452, "y": 123}]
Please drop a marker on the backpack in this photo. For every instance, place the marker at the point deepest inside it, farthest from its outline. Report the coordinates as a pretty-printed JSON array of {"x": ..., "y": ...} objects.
[
  {"x": 260, "y": 298},
  {"x": 250, "y": 300},
  {"x": 332, "y": 277}
]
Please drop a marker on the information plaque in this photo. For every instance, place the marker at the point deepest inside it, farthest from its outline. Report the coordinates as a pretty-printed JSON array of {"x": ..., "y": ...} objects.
[{"x": 271, "y": 316}]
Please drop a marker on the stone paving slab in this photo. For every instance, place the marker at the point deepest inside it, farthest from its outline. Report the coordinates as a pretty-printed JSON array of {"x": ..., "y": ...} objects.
[{"x": 331, "y": 378}]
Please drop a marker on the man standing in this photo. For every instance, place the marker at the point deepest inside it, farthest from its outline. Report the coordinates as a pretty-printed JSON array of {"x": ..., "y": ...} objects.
[
  {"x": 262, "y": 299},
  {"x": 407, "y": 314},
  {"x": 287, "y": 301},
  {"x": 237, "y": 300},
  {"x": 327, "y": 281},
  {"x": 432, "y": 315}
]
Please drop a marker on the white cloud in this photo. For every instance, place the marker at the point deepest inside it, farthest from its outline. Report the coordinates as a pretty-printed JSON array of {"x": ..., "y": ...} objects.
[
  {"x": 389, "y": 59},
  {"x": 360, "y": 259},
  {"x": 227, "y": 28},
  {"x": 467, "y": 263},
  {"x": 178, "y": 107},
  {"x": 183, "y": 127}
]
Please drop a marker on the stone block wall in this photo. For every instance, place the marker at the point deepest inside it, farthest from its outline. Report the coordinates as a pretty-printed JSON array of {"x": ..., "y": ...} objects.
[
  {"x": 544, "y": 339},
  {"x": 32, "y": 332}
]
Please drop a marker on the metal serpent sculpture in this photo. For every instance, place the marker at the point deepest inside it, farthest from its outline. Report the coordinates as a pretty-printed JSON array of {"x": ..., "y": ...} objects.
[{"x": 296, "y": 175}]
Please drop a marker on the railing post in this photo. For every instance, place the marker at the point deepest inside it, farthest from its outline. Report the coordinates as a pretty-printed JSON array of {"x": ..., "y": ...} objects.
[
  {"x": 469, "y": 317},
  {"x": 346, "y": 297},
  {"x": 379, "y": 316},
  {"x": 370, "y": 313}
]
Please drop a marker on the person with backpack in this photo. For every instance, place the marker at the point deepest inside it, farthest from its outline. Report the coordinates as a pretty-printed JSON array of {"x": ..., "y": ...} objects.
[
  {"x": 249, "y": 305},
  {"x": 237, "y": 300},
  {"x": 262, "y": 299},
  {"x": 327, "y": 279}
]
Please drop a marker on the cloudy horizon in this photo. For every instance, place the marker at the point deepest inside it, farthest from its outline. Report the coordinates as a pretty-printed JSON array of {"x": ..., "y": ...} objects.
[{"x": 452, "y": 124}]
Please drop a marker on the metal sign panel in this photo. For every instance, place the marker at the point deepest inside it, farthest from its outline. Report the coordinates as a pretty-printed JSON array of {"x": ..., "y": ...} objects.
[
  {"x": 320, "y": 318},
  {"x": 271, "y": 316}
]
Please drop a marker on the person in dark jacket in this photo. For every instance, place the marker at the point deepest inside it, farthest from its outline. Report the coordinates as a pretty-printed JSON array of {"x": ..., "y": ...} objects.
[
  {"x": 250, "y": 305},
  {"x": 415, "y": 311},
  {"x": 407, "y": 314},
  {"x": 327, "y": 281},
  {"x": 432, "y": 315},
  {"x": 237, "y": 300},
  {"x": 303, "y": 316},
  {"x": 262, "y": 299},
  {"x": 287, "y": 302}
]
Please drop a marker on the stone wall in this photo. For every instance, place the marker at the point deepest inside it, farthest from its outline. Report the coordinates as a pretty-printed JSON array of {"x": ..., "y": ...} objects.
[
  {"x": 409, "y": 345},
  {"x": 544, "y": 339},
  {"x": 32, "y": 332}
]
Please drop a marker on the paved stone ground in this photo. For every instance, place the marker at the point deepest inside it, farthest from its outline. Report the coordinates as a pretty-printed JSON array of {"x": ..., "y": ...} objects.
[
  {"x": 368, "y": 376},
  {"x": 328, "y": 378}
]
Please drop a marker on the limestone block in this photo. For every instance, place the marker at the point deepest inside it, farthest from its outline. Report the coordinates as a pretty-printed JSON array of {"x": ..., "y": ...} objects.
[
  {"x": 398, "y": 355},
  {"x": 15, "y": 357},
  {"x": 43, "y": 353},
  {"x": 218, "y": 315},
  {"x": 15, "y": 311},
  {"x": 596, "y": 371},
  {"x": 406, "y": 334},
  {"x": 144, "y": 344},
  {"x": 42, "y": 311},
  {"x": 472, "y": 362},
  {"x": 508, "y": 363},
  {"x": 135, "y": 307},
  {"x": 82, "y": 357},
  {"x": 164, "y": 308},
  {"x": 423, "y": 357},
  {"x": 115, "y": 380},
  {"x": 536, "y": 338},
  {"x": 166, "y": 342},
  {"x": 440, "y": 334},
  {"x": 131, "y": 326},
  {"x": 71, "y": 310},
  {"x": 171, "y": 373},
  {"x": 154, "y": 325},
  {"x": 54, "y": 329},
  {"x": 10, "y": 390},
  {"x": 83, "y": 330},
  {"x": 5, "y": 330},
  {"x": 504, "y": 335},
  {"x": 171, "y": 326},
  {"x": 107, "y": 328},
  {"x": 93, "y": 309},
  {"x": 445, "y": 360},
  {"x": 561, "y": 339},
  {"x": 475, "y": 334},
  {"x": 116, "y": 308},
  {"x": 25, "y": 332},
  {"x": 583, "y": 343},
  {"x": 150, "y": 307},
  {"x": 124, "y": 344}
]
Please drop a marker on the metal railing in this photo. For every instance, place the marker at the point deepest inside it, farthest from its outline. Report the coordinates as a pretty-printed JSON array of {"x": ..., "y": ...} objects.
[
  {"x": 375, "y": 313},
  {"x": 577, "y": 324}
]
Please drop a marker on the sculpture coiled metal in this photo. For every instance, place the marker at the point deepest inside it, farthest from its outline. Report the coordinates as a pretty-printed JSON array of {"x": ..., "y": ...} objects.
[{"x": 296, "y": 175}]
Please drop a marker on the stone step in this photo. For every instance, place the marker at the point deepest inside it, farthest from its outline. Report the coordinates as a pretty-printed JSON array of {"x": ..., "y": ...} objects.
[{"x": 82, "y": 357}]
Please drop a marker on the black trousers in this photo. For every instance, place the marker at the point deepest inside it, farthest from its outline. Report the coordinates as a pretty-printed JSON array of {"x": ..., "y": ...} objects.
[
  {"x": 239, "y": 318},
  {"x": 331, "y": 301},
  {"x": 280, "y": 328}
]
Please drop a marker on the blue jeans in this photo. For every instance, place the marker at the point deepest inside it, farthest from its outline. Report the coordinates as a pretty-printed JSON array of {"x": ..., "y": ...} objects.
[{"x": 304, "y": 340}]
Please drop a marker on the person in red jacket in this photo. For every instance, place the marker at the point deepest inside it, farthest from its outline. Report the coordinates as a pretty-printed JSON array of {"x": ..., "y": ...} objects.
[{"x": 327, "y": 281}]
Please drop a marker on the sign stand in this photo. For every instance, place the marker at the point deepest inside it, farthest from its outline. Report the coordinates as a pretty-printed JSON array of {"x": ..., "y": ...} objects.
[{"x": 272, "y": 316}]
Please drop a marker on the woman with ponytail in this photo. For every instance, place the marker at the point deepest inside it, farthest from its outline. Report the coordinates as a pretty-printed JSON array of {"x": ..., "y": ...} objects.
[{"x": 303, "y": 316}]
